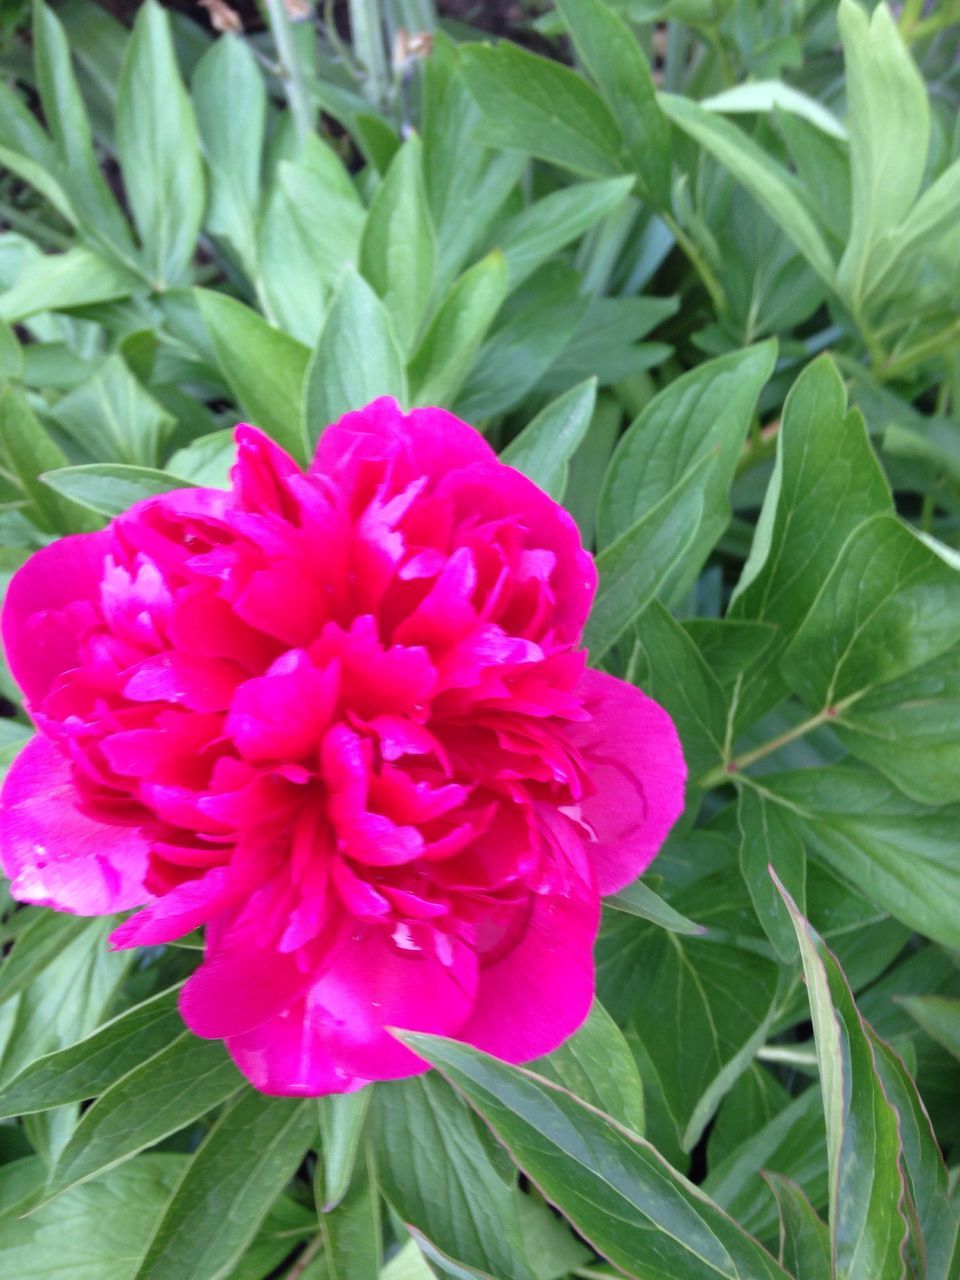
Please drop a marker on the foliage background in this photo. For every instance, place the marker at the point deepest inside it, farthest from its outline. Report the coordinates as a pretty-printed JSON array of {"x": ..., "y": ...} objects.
[{"x": 694, "y": 268}]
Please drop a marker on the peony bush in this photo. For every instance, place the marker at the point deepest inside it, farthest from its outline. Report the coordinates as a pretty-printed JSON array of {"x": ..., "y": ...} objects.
[{"x": 496, "y": 811}]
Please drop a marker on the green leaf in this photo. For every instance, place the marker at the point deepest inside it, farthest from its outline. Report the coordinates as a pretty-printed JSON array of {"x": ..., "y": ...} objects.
[
  {"x": 769, "y": 96},
  {"x": 44, "y": 936},
  {"x": 264, "y": 367},
  {"x": 679, "y": 679},
  {"x": 543, "y": 449},
  {"x": 159, "y": 149},
  {"x": 773, "y": 188},
  {"x": 232, "y": 139},
  {"x": 632, "y": 569},
  {"x": 613, "y": 1187},
  {"x": 228, "y": 1187},
  {"x": 638, "y": 899},
  {"x": 804, "y": 1238},
  {"x": 611, "y": 54},
  {"x": 62, "y": 281},
  {"x": 446, "y": 354},
  {"x": 897, "y": 853},
  {"x": 888, "y": 605},
  {"x": 436, "y": 1173},
  {"x": 207, "y": 460},
  {"x": 92, "y": 1065},
  {"x": 539, "y": 230},
  {"x": 889, "y": 123},
  {"x": 867, "y": 1182},
  {"x": 533, "y": 104},
  {"x": 26, "y": 451},
  {"x": 93, "y": 1231},
  {"x": 343, "y": 1117},
  {"x": 397, "y": 251},
  {"x": 356, "y": 359},
  {"x": 110, "y": 487},
  {"x": 729, "y": 647},
  {"x": 597, "y": 1066},
  {"x": 900, "y": 251},
  {"x": 351, "y": 1232},
  {"x": 176, "y": 1086},
  {"x": 706, "y": 412},
  {"x": 938, "y": 1016},
  {"x": 767, "y": 840},
  {"x": 113, "y": 417},
  {"x": 76, "y": 168}
]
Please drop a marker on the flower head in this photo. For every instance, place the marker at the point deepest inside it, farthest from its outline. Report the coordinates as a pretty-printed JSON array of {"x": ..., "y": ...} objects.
[{"x": 339, "y": 718}]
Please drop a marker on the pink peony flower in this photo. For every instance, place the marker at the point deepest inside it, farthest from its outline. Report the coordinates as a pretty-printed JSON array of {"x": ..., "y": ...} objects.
[{"x": 340, "y": 719}]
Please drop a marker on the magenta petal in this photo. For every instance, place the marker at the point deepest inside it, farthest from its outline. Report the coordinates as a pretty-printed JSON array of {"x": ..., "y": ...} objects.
[
  {"x": 186, "y": 907},
  {"x": 291, "y": 1055},
  {"x": 635, "y": 761},
  {"x": 42, "y": 622},
  {"x": 54, "y": 855},
  {"x": 541, "y": 991}
]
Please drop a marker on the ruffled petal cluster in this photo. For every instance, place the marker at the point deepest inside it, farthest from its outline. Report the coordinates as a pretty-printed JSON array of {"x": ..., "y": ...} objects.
[{"x": 339, "y": 718}]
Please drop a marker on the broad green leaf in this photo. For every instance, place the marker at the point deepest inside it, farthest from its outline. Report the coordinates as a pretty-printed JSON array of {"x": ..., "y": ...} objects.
[
  {"x": 466, "y": 184},
  {"x": 444, "y": 357},
  {"x": 397, "y": 251},
  {"x": 207, "y": 460},
  {"x": 343, "y": 1118},
  {"x": 44, "y": 935},
  {"x": 889, "y": 123},
  {"x": 825, "y": 483},
  {"x": 356, "y": 359},
  {"x": 614, "y": 1188},
  {"x": 533, "y": 104},
  {"x": 767, "y": 96},
  {"x": 408, "y": 1264},
  {"x": 729, "y": 647},
  {"x": 113, "y": 417},
  {"x": 311, "y": 229},
  {"x": 92, "y": 1065},
  {"x": 612, "y": 55},
  {"x": 180, "y": 1083},
  {"x": 26, "y": 451},
  {"x": 230, "y": 101},
  {"x": 605, "y": 343},
  {"x": 77, "y": 169},
  {"x": 633, "y": 568},
  {"x": 159, "y": 149},
  {"x": 93, "y": 1231},
  {"x": 638, "y": 899},
  {"x": 773, "y": 188},
  {"x": 888, "y": 605},
  {"x": 597, "y": 1066},
  {"x": 41, "y": 180},
  {"x": 898, "y": 854},
  {"x": 228, "y": 1187},
  {"x": 111, "y": 487},
  {"x": 264, "y": 367},
  {"x": 727, "y": 997},
  {"x": 351, "y": 1232},
  {"x": 767, "y": 840},
  {"x": 675, "y": 674},
  {"x": 62, "y": 281},
  {"x": 804, "y": 1237},
  {"x": 705, "y": 412},
  {"x": 938, "y": 1016},
  {"x": 539, "y": 230},
  {"x": 865, "y": 1157},
  {"x": 436, "y": 1173},
  {"x": 543, "y": 449},
  {"x": 901, "y": 250}
]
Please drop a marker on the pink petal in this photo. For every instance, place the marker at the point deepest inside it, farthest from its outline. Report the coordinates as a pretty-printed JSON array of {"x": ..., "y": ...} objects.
[
  {"x": 55, "y": 855},
  {"x": 186, "y": 907},
  {"x": 291, "y": 1056},
  {"x": 41, "y": 621},
  {"x": 634, "y": 759}
]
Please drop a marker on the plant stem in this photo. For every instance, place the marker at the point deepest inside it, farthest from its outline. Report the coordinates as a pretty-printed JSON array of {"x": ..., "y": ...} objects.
[
  {"x": 294, "y": 83},
  {"x": 313, "y": 1249},
  {"x": 698, "y": 262},
  {"x": 936, "y": 345},
  {"x": 725, "y": 772}
]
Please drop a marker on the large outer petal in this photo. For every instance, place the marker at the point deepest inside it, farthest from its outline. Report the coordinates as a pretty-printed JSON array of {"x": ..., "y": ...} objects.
[
  {"x": 55, "y": 855},
  {"x": 635, "y": 761},
  {"x": 529, "y": 1002},
  {"x": 39, "y": 632}
]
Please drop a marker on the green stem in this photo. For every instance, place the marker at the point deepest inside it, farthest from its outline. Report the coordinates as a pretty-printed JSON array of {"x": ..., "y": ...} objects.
[
  {"x": 313, "y": 1250},
  {"x": 726, "y": 772},
  {"x": 297, "y": 94},
  {"x": 698, "y": 262}
]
